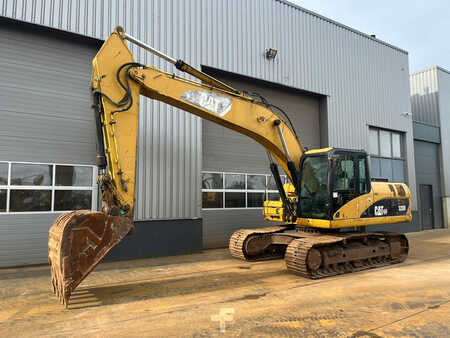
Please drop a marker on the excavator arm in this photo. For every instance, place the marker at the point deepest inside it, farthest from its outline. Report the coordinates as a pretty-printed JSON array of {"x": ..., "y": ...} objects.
[{"x": 79, "y": 240}]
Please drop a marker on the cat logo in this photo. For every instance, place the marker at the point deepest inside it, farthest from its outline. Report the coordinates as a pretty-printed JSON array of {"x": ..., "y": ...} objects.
[{"x": 380, "y": 210}]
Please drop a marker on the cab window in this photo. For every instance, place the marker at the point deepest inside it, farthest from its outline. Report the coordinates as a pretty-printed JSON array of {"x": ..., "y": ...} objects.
[
  {"x": 349, "y": 178},
  {"x": 363, "y": 181},
  {"x": 314, "y": 192},
  {"x": 344, "y": 174},
  {"x": 344, "y": 179}
]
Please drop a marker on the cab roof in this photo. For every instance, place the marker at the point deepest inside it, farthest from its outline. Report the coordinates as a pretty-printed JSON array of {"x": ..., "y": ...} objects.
[{"x": 332, "y": 150}]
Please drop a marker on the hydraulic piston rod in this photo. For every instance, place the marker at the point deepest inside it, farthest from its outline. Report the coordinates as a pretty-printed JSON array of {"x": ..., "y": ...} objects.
[
  {"x": 277, "y": 124},
  {"x": 180, "y": 64}
]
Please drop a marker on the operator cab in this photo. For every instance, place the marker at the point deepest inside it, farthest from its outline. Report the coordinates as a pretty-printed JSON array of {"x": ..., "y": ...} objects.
[{"x": 329, "y": 178}]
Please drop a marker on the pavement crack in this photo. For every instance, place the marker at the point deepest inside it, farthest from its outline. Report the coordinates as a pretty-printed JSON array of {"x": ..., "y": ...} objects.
[
  {"x": 409, "y": 316},
  {"x": 252, "y": 296}
]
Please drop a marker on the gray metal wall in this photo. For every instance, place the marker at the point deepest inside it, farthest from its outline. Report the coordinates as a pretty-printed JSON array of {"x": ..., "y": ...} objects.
[
  {"x": 424, "y": 96},
  {"x": 45, "y": 106},
  {"x": 45, "y": 117},
  {"x": 430, "y": 103},
  {"x": 444, "y": 115},
  {"x": 219, "y": 225},
  {"x": 428, "y": 172},
  {"x": 365, "y": 79}
]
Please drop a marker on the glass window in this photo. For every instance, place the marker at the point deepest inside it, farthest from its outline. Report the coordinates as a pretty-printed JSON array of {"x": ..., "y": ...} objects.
[
  {"x": 398, "y": 171},
  {"x": 363, "y": 188},
  {"x": 375, "y": 170},
  {"x": 212, "y": 199},
  {"x": 386, "y": 169},
  {"x": 255, "y": 199},
  {"x": 234, "y": 181},
  {"x": 234, "y": 199},
  {"x": 3, "y": 194},
  {"x": 396, "y": 146},
  {"x": 256, "y": 182},
  {"x": 273, "y": 196},
  {"x": 72, "y": 200},
  {"x": 271, "y": 185},
  {"x": 67, "y": 175},
  {"x": 385, "y": 143},
  {"x": 3, "y": 173},
  {"x": 344, "y": 174},
  {"x": 237, "y": 190},
  {"x": 373, "y": 141},
  {"x": 31, "y": 174},
  {"x": 30, "y": 200},
  {"x": 314, "y": 187},
  {"x": 389, "y": 165},
  {"x": 212, "y": 181}
]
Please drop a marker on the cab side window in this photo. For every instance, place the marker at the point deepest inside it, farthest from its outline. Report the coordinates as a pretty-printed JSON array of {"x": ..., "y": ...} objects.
[
  {"x": 314, "y": 192},
  {"x": 344, "y": 174},
  {"x": 363, "y": 186},
  {"x": 345, "y": 188}
]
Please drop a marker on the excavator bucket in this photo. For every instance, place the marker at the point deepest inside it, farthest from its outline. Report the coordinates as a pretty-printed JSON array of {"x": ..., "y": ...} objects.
[{"x": 77, "y": 243}]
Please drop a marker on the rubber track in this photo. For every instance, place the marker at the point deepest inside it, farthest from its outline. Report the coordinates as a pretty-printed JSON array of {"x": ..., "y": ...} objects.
[
  {"x": 237, "y": 242},
  {"x": 297, "y": 253}
]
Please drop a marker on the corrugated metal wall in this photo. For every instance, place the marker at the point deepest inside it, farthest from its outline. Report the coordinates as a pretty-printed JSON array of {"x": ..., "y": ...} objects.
[
  {"x": 45, "y": 117},
  {"x": 428, "y": 172},
  {"x": 366, "y": 80},
  {"x": 430, "y": 103},
  {"x": 424, "y": 96},
  {"x": 444, "y": 116}
]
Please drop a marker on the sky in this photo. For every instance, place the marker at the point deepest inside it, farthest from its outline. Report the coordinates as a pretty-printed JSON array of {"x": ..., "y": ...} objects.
[{"x": 420, "y": 27}]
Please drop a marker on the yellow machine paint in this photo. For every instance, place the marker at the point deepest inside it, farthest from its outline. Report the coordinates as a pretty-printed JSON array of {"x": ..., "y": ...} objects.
[
  {"x": 349, "y": 215},
  {"x": 120, "y": 129}
]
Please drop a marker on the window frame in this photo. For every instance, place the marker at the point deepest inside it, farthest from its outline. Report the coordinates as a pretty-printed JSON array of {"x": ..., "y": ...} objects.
[
  {"x": 245, "y": 190},
  {"x": 392, "y": 158},
  {"x": 391, "y": 132},
  {"x": 52, "y": 188}
]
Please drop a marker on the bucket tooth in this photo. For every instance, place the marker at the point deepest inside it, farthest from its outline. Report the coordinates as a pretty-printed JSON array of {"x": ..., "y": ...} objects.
[{"x": 78, "y": 241}]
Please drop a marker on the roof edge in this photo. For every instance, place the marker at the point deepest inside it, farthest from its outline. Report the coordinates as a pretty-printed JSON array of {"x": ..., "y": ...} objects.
[
  {"x": 353, "y": 30},
  {"x": 435, "y": 67},
  {"x": 443, "y": 70}
]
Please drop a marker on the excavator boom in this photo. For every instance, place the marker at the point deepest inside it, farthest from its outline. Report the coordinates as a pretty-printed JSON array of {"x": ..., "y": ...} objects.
[
  {"x": 330, "y": 188},
  {"x": 79, "y": 240}
]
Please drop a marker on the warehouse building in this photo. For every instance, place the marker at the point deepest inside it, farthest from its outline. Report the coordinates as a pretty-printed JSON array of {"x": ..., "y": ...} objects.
[
  {"x": 430, "y": 106},
  {"x": 196, "y": 182}
]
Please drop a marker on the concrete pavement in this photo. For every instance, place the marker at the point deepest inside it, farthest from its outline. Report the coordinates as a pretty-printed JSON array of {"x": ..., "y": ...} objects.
[{"x": 193, "y": 295}]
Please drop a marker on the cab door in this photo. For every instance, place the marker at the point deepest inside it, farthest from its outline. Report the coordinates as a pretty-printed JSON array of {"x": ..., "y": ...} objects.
[{"x": 350, "y": 179}]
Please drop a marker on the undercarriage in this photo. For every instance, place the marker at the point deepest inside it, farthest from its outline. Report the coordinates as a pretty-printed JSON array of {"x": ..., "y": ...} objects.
[{"x": 314, "y": 254}]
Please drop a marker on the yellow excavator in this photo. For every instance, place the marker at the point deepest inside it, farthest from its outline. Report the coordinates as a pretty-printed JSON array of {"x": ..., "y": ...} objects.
[{"x": 322, "y": 213}]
